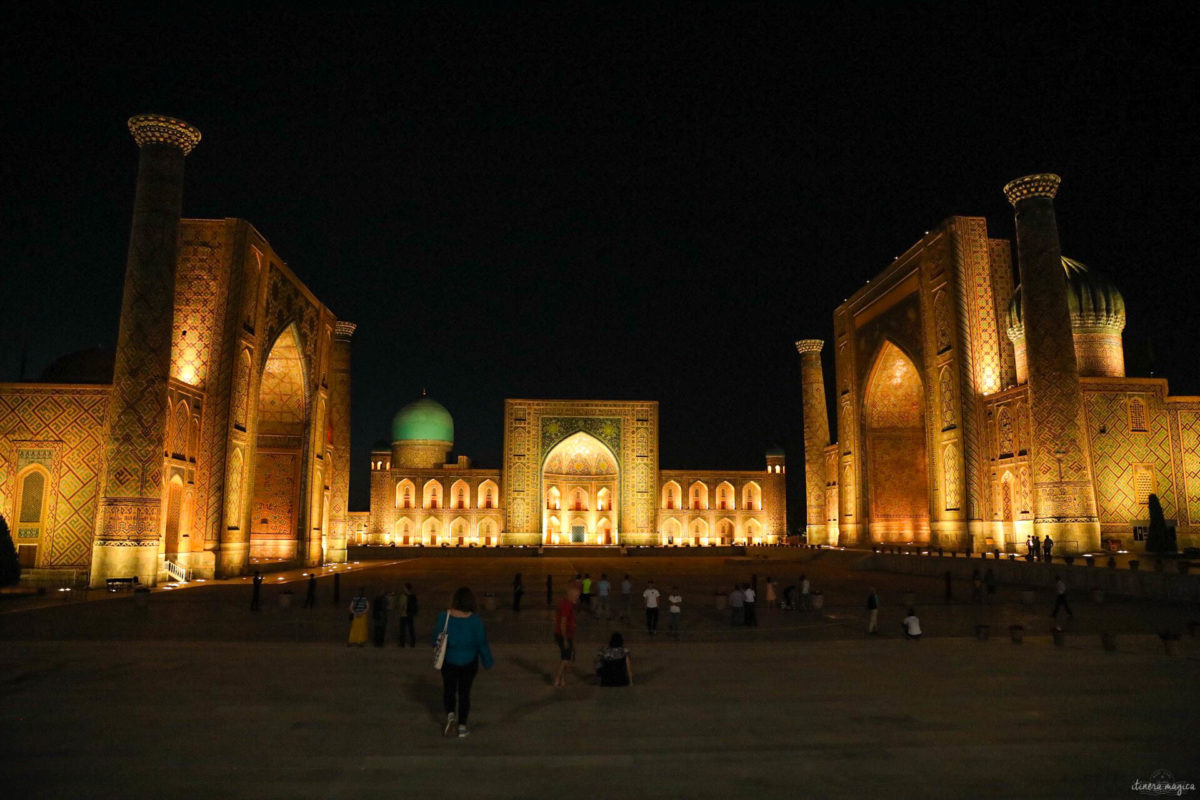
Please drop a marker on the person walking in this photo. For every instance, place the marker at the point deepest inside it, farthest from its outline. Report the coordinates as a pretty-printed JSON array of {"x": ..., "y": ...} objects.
[
  {"x": 737, "y": 606},
  {"x": 518, "y": 592},
  {"x": 627, "y": 598},
  {"x": 310, "y": 596},
  {"x": 549, "y": 591},
  {"x": 1047, "y": 546},
  {"x": 911, "y": 625},
  {"x": 872, "y": 612},
  {"x": 408, "y": 629},
  {"x": 651, "y": 595},
  {"x": 674, "y": 610},
  {"x": 256, "y": 591},
  {"x": 564, "y": 634},
  {"x": 1060, "y": 597},
  {"x": 805, "y": 594},
  {"x": 379, "y": 615},
  {"x": 466, "y": 647},
  {"x": 359, "y": 621},
  {"x": 751, "y": 609},
  {"x": 614, "y": 665},
  {"x": 603, "y": 590}
]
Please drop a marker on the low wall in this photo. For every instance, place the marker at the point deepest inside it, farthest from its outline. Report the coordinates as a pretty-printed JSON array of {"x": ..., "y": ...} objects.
[
  {"x": 387, "y": 553},
  {"x": 1166, "y": 585}
]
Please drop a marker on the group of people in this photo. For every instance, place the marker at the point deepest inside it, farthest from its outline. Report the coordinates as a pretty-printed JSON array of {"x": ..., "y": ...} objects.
[
  {"x": 369, "y": 618},
  {"x": 1039, "y": 550}
]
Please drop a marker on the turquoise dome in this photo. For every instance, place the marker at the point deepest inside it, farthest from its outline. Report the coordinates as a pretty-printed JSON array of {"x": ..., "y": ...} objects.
[{"x": 423, "y": 420}]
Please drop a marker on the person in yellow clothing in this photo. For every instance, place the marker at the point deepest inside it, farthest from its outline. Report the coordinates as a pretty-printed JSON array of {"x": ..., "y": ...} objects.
[{"x": 359, "y": 622}]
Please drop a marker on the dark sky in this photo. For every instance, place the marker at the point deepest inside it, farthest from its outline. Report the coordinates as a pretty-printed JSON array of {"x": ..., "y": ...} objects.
[{"x": 597, "y": 202}]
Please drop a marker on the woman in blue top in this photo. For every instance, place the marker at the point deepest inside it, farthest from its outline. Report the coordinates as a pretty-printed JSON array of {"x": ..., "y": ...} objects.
[{"x": 466, "y": 646}]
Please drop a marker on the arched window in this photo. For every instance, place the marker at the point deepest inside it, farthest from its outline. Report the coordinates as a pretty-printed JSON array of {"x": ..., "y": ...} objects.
[
  {"x": 699, "y": 495},
  {"x": 404, "y": 529},
  {"x": 579, "y": 500},
  {"x": 460, "y": 494},
  {"x": 431, "y": 531},
  {"x": 31, "y": 514},
  {"x": 754, "y": 532},
  {"x": 699, "y": 531},
  {"x": 488, "y": 491},
  {"x": 603, "y": 500},
  {"x": 433, "y": 495},
  {"x": 725, "y": 496},
  {"x": 725, "y": 531},
  {"x": 406, "y": 493},
  {"x": 671, "y": 493},
  {"x": 752, "y": 497},
  {"x": 553, "y": 498}
]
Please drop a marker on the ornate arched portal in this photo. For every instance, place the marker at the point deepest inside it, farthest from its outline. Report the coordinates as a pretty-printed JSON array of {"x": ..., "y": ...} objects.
[
  {"x": 282, "y": 433},
  {"x": 897, "y": 462},
  {"x": 583, "y": 470}
]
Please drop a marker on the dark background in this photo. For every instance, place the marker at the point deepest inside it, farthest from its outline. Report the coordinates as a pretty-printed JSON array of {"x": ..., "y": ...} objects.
[{"x": 589, "y": 201}]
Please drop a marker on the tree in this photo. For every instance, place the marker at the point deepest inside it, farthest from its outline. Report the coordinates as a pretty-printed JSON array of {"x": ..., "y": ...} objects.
[
  {"x": 1160, "y": 538},
  {"x": 10, "y": 565}
]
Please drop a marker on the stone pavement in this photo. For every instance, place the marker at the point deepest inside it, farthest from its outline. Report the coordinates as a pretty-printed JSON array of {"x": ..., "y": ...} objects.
[{"x": 196, "y": 696}]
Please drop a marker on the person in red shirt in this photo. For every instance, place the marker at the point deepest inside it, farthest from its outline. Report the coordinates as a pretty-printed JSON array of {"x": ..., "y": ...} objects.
[{"x": 564, "y": 633}]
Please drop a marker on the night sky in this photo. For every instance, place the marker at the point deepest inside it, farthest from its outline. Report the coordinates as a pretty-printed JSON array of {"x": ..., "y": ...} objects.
[{"x": 601, "y": 203}]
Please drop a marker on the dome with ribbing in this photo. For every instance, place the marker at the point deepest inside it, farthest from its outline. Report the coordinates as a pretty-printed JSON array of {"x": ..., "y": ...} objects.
[
  {"x": 423, "y": 420},
  {"x": 1092, "y": 299}
]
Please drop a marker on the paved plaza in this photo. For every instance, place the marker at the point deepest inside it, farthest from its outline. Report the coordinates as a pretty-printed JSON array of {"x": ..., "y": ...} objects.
[{"x": 194, "y": 695}]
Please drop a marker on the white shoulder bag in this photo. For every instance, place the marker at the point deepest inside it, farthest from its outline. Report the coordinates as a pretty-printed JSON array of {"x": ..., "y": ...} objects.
[{"x": 439, "y": 647}]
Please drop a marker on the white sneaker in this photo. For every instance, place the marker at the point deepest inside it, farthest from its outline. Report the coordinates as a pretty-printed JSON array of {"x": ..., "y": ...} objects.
[
  {"x": 449, "y": 729},
  {"x": 463, "y": 732}
]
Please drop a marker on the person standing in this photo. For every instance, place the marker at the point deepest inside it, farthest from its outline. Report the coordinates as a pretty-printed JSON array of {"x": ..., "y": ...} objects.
[
  {"x": 466, "y": 647},
  {"x": 627, "y": 598},
  {"x": 1029, "y": 548},
  {"x": 674, "y": 609},
  {"x": 359, "y": 606},
  {"x": 872, "y": 612},
  {"x": 587, "y": 591},
  {"x": 737, "y": 606},
  {"x": 651, "y": 596},
  {"x": 518, "y": 592},
  {"x": 256, "y": 591},
  {"x": 408, "y": 629},
  {"x": 401, "y": 615},
  {"x": 1060, "y": 597},
  {"x": 805, "y": 594},
  {"x": 549, "y": 590},
  {"x": 1047, "y": 546},
  {"x": 379, "y": 620},
  {"x": 310, "y": 596},
  {"x": 911, "y": 625},
  {"x": 603, "y": 590},
  {"x": 564, "y": 634},
  {"x": 750, "y": 610},
  {"x": 772, "y": 593}
]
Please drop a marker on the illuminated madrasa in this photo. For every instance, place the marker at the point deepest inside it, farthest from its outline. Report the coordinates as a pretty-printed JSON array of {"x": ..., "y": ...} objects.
[
  {"x": 578, "y": 472},
  {"x": 219, "y": 432},
  {"x": 972, "y": 413}
]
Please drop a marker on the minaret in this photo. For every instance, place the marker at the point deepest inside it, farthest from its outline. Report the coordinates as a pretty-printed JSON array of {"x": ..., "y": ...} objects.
[
  {"x": 339, "y": 486},
  {"x": 1064, "y": 499},
  {"x": 128, "y": 525},
  {"x": 816, "y": 437}
]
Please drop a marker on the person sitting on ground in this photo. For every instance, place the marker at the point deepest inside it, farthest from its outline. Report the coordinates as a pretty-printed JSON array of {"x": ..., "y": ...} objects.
[
  {"x": 614, "y": 665},
  {"x": 911, "y": 625}
]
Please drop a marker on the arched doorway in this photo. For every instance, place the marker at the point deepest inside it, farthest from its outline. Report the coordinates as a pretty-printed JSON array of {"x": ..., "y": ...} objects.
[
  {"x": 282, "y": 441},
  {"x": 582, "y": 471},
  {"x": 897, "y": 462}
]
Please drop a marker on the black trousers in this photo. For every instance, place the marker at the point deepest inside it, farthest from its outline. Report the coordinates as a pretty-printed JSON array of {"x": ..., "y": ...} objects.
[
  {"x": 517, "y": 595},
  {"x": 652, "y": 619},
  {"x": 1061, "y": 602},
  {"x": 407, "y": 632},
  {"x": 456, "y": 688},
  {"x": 751, "y": 616}
]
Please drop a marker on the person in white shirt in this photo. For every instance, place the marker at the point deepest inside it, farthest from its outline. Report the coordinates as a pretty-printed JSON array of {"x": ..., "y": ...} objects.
[
  {"x": 676, "y": 601},
  {"x": 651, "y": 596},
  {"x": 751, "y": 616},
  {"x": 911, "y": 625},
  {"x": 1060, "y": 596}
]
